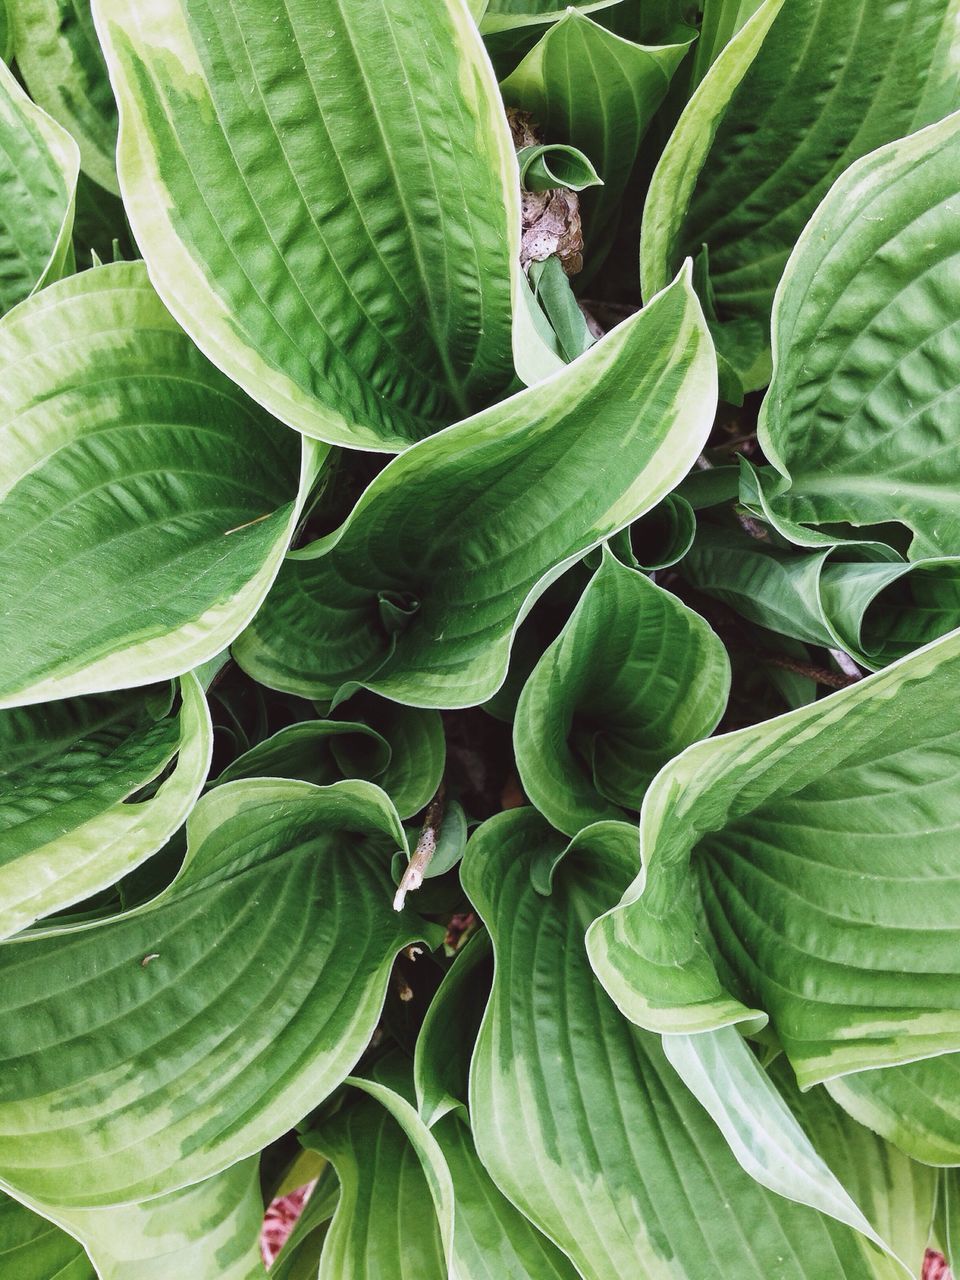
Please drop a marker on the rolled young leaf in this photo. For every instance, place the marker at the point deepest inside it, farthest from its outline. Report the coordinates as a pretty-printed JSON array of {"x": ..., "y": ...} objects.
[
  {"x": 39, "y": 166},
  {"x": 660, "y": 538},
  {"x": 634, "y": 677},
  {"x": 59, "y": 57},
  {"x": 146, "y": 502},
  {"x": 860, "y": 598},
  {"x": 417, "y": 595},
  {"x": 801, "y": 868},
  {"x": 861, "y": 417},
  {"x": 180, "y": 1037},
  {"x": 618, "y": 1162},
  {"x": 545, "y": 166},
  {"x": 598, "y": 92},
  {"x": 70, "y": 820},
  {"x": 341, "y": 237}
]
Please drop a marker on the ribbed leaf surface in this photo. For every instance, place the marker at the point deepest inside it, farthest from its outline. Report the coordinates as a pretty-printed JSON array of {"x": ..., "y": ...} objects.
[
  {"x": 180, "y": 1037},
  {"x": 418, "y": 593},
  {"x": 146, "y": 502},
  {"x": 341, "y": 235}
]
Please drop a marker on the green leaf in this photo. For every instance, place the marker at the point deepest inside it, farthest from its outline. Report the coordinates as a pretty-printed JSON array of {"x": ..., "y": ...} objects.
[
  {"x": 209, "y": 1229},
  {"x": 474, "y": 524},
  {"x": 59, "y": 57},
  {"x": 560, "y": 306},
  {"x": 180, "y": 1037},
  {"x": 675, "y": 177},
  {"x": 546, "y": 166},
  {"x": 385, "y": 1226},
  {"x": 618, "y": 1162},
  {"x": 916, "y": 1105},
  {"x": 722, "y": 19},
  {"x": 948, "y": 1216},
  {"x": 598, "y": 92},
  {"x": 446, "y": 1220},
  {"x": 833, "y": 80},
  {"x": 402, "y": 749},
  {"x": 146, "y": 502},
  {"x": 877, "y": 610},
  {"x": 342, "y": 236},
  {"x": 634, "y": 677},
  {"x": 71, "y": 822},
  {"x": 31, "y": 1248},
  {"x": 771, "y": 1144},
  {"x": 896, "y": 1193},
  {"x": 800, "y": 869},
  {"x": 860, "y": 419},
  {"x": 445, "y": 1044},
  {"x": 299, "y": 1259},
  {"x": 6, "y": 31},
  {"x": 38, "y": 184}
]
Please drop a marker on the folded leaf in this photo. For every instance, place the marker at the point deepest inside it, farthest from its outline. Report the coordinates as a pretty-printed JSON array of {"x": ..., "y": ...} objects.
[
  {"x": 38, "y": 186},
  {"x": 545, "y": 166},
  {"x": 833, "y": 80},
  {"x": 59, "y": 57},
  {"x": 875, "y": 609},
  {"x": 800, "y": 869},
  {"x": 417, "y": 595},
  {"x": 70, "y": 819},
  {"x": 188, "y": 1033},
  {"x": 341, "y": 236},
  {"x": 861, "y": 415},
  {"x": 896, "y": 1193},
  {"x": 577, "y": 1115},
  {"x": 209, "y": 1229},
  {"x": 444, "y": 1046},
  {"x": 384, "y": 1226},
  {"x": 634, "y": 677},
  {"x": 756, "y": 1114},
  {"x": 593, "y": 89},
  {"x": 31, "y": 1248},
  {"x": 146, "y": 503}
]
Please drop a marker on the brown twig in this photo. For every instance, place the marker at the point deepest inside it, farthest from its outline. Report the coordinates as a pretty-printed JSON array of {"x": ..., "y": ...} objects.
[
  {"x": 830, "y": 679},
  {"x": 423, "y": 853}
]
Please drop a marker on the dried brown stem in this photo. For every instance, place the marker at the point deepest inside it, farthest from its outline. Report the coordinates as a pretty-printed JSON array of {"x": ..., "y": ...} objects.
[{"x": 830, "y": 679}]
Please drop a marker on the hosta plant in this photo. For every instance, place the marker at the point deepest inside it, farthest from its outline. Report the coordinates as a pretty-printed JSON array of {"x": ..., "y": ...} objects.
[{"x": 480, "y": 641}]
